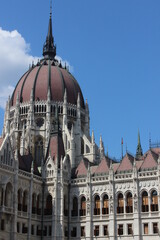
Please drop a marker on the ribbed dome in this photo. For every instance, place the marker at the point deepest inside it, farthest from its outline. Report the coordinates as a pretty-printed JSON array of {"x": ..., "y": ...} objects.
[{"x": 47, "y": 74}]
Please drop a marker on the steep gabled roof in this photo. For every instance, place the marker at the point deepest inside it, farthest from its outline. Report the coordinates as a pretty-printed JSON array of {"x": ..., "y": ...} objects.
[
  {"x": 56, "y": 148},
  {"x": 126, "y": 164},
  {"x": 156, "y": 150},
  {"x": 82, "y": 168},
  {"x": 139, "y": 164},
  {"x": 103, "y": 167},
  {"x": 150, "y": 160}
]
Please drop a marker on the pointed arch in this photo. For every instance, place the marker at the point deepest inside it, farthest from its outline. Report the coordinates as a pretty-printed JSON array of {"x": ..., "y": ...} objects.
[
  {"x": 120, "y": 203},
  {"x": 105, "y": 208},
  {"x": 74, "y": 206},
  {"x": 145, "y": 206},
  {"x": 154, "y": 201},
  {"x": 129, "y": 203},
  {"x": 96, "y": 205},
  {"x": 83, "y": 206}
]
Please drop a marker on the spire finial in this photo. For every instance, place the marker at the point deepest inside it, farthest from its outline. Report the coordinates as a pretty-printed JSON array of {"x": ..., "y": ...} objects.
[
  {"x": 50, "y": 8},
  {"x": 139, "y": 151},
  {"x": 49, "y": 49}
]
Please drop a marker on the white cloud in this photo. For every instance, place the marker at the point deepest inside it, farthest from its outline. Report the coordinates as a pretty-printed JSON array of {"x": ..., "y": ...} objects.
[{"x": 15, "y": 59}]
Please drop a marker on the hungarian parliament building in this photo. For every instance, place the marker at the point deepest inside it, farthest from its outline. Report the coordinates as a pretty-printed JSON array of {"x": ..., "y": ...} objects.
[{"x": 55, "y": 182}]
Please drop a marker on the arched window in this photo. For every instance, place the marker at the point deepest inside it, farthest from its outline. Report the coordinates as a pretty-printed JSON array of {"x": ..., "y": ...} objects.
[
  {"x": 145, "y": 206},
  {"x": 65, "y": 206},
  {"x": 25, "y": 201},
  {"x": 1, "y": 196},
  {"x": 154, "y": 201},
  {"x": 19, "y": 200},
  {"x": 97, "y": 205},
  {"x": 8, "y": 195},
  {"x": 39, "y": 150},
  {"x": 120, "y": 203},
  {"x": 83, "y": 206},
  {"x": 48, "y": 209},
  {"x": 33, "y": 203},
  {"x": 105, "y": 209},
  {"x": 129, "y": 203},
  {"x": 75, "y": 207},
  {"x": 82, "y": 146}
]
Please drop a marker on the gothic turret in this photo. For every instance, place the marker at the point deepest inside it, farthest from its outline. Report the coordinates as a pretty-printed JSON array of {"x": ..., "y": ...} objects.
[{"x": 139, "y": 151}]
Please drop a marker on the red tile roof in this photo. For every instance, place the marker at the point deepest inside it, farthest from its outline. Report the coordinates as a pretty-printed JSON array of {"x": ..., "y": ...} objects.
[
  {"x": 150, "y": 160},
  {"x": 156, "y": 150},
  {"x": 82, "y": 168},
  {"x": 40, "y": 77},
  {"x": 56, "y": 144},
  {"x": 139, "y": 164},
  {"x": 103, "y": 166},
  {"x": 126, "y": 164}
]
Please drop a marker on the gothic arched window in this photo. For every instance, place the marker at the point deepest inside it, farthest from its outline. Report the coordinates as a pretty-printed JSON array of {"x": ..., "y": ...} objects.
[
  {"x": 48, "y": 209},
  {"x": 105, "y": 209},
  {"x": 120, "y": 203},
  {"x": 97, "y": 205},
  {"x": 154, "y": 201},
  {"x": 145, "y": 207},
  {"x": 75, "y": 207},
  {"x": 39, "y": 150},
  {"x": 129, "y": 203},
  {"x": 83, "y": 206}
]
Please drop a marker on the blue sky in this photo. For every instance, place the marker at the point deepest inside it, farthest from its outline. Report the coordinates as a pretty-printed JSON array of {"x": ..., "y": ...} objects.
[{"x": 113, "y": 47}]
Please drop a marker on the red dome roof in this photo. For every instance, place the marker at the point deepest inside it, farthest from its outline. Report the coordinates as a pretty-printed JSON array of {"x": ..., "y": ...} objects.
[{"x": 47, "y": 74}]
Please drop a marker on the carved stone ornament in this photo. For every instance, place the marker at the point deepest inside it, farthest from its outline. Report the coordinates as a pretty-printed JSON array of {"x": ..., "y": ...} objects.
[{"x": 39, "y": 122}]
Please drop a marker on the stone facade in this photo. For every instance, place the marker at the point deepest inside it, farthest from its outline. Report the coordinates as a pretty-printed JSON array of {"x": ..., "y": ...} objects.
[{"x": 56, "y": 183}]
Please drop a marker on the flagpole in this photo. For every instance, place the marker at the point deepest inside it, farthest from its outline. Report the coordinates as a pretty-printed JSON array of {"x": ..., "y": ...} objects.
[{"x": 122, "y": 147}]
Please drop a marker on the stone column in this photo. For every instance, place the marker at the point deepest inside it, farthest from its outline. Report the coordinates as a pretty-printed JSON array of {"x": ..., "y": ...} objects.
[
  {"x": 30, "y": 206},
  {"x": 136, "y": 205}
]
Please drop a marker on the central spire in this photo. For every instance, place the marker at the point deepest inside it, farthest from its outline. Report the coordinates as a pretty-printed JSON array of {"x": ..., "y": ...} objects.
[{"x": 49, "y": 49}]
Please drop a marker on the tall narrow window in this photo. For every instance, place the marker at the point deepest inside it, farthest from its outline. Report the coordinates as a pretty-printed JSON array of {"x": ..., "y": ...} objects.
[
  {"x": 105, "y": 230},
  {"x": 25, "y": 201},
  {"x": 96, "y": 231},
  {"x": 82, "y": 231},
  {"x": 145, "y": 207},
  {"x": 130, "y": 230},
  {"x": 2, "y": 224},
  {"x": 120, "y": 229},
  {"x": 39, "y": 151},
  {"x": 120, "y": 203},
  {"x": 19, "y": 200},
  {"x": 145, "y": 228},
  {"x": 75, "y": 207},
  {"x": 97, "y": 205},
  {"x": 105, "y": 209},
  {"x": 48, "y": 209},
  {"x": 74, "y": 232},
  {"x": 33, "y": 203},
  {"x": 129, "y": 203},
  {"x": 155, "y": 228},
  {"x": 154, "y": 201},
  {"x": 65, "y": 206},
  {"x": 8, "y": 195},
  {"x": 83, "y": 206}
]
